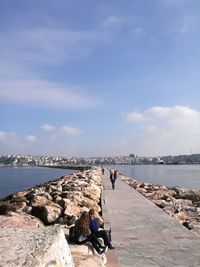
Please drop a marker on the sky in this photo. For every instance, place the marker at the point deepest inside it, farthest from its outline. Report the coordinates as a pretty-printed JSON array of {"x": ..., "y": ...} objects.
[{"x": 83, "y": 78}]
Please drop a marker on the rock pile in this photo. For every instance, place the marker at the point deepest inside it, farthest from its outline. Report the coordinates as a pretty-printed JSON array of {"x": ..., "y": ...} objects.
[
  {"x": 180, "y": 203},
  {"x": 56, "y": 202},
  {"x": 24, "y": 216}
]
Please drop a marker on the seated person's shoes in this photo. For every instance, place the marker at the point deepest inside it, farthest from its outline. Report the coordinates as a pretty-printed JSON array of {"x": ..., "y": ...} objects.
[
  {"x": 102, "y": 250},
  {"x": 111, "y": 247}
]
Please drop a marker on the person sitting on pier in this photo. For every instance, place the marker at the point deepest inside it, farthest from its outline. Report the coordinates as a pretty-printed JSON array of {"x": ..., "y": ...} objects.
[
  {"x": 95, "y": 227},
  {"x": 83, "y": 234}
]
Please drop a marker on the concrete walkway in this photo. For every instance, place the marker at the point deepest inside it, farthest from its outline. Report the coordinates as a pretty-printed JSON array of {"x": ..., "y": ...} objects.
[{"x": 143, "y": 234}]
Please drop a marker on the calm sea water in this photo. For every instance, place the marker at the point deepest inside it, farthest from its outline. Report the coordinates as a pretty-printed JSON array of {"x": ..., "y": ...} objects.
[
  {"x": 18, "y": 179},
  {"x": 170, "y": 175}
]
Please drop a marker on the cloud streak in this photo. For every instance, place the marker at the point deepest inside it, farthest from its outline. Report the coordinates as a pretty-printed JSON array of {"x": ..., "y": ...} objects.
[
  {"x": 64, "y": 129},
  {"x": 47, "y": 127},
  {"x": 112, "y": 21},
  {"x": 45, "y": 94},
  {"x": 67, "y": 129},
  {"x": 47, "y": 45},
  {"x": 24, "y": 56},
  {"x": 31, "y": 138}
]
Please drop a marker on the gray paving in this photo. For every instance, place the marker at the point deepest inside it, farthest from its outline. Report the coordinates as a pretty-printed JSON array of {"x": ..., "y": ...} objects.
[{"x": 143, "y": 234}]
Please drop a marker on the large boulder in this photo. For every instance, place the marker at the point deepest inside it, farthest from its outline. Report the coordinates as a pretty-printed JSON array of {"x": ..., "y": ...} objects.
[{"x": 47, "y": 213}]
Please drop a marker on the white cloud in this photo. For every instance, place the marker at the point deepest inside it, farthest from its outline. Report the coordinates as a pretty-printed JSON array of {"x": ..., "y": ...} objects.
[
  {"x": 48, "y": 127},
  {"x": 6, "y": 135},
  {"x": 71, "y": 130},
  {"x": 134, "y": 116},
  {"x": 31, "y": 138},
  {"x": 45, "y": 94},
  {"x": 112, "y": 21},
  {"x": 167, "y": 130}
]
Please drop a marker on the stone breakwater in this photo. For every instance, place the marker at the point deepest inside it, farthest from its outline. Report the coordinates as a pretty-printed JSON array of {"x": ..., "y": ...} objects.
[
  {"x": 56, "y": 202},
  {"x": 180, "y": 203},
  {"x": 34, "y": 222}
]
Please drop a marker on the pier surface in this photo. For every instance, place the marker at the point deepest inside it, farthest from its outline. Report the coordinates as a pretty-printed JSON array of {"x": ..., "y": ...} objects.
[{"x": 143, "y": 234}]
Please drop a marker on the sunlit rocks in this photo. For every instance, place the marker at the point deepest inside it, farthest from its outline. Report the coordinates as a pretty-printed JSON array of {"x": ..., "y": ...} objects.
[
  {"x": 60, "y": 201},
  {"x": 19, "y": 220}
]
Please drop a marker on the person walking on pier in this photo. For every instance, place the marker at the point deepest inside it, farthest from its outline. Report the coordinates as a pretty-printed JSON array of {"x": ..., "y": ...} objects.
[
  {"x": 113, "y": 177},
  {"x": 96, "y": 229}
]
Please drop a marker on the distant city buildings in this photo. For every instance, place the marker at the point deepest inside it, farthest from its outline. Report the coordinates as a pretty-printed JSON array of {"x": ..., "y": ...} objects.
[{"x": 28, "y": 160}]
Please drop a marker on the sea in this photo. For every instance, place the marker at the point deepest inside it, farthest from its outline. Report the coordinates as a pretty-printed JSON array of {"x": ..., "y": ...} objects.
[
  {"x": 187, "y": 176},
  {"x": 18, "y": 179}
]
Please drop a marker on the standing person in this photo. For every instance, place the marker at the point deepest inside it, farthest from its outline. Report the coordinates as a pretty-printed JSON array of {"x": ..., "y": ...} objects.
[
  {"x": 102, "y": 170},
  {"x": 111, "y": 173},
  {"x": 115, "y": 175},
  {"x": 112, "y": 178},
  {"x": 96, "y": 229},
  {"x": 83, "y": 233}
]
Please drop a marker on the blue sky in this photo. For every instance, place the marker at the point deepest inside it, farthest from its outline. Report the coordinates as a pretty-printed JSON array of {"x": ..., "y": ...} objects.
[{"x": 100, "y": 78}]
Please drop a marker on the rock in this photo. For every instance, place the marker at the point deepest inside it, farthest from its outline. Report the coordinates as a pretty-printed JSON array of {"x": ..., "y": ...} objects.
[
  {"x": 71, "y": 209},
  {"x": 67, "y": 220},
  {"x": 15, "y": 207},
  {"x": 19, "y": 220},
  {"x": 180, "y": 216},
  {"x": 183, "y": 202},
  {"x": 187, "y": 225},
  {"x": 85, "y": 255},
  {"x": 36, "y": 247},
  {"x": 169, "y": 210},
  {"x": 20, "y": 197},
  {"x": 39, "y": 200},
  {"x": 48, "y": 213}
]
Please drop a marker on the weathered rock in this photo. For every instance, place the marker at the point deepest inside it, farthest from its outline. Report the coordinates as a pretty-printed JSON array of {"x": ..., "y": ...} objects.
[
  {"x": 169, "y": 209},
  {"x": 36, "y": 247},
  {"x": 20, "y": 197},
  {"x": 17, "y": 220},
  {"x": 47, "y": 213},
  {"x": 85, "y": 256},
  {"x": 15, "y": 207},
  {"x": 193, "y": 195},
  {"x": 72, "y": 209},
  {"x": 39, "y": 200}
]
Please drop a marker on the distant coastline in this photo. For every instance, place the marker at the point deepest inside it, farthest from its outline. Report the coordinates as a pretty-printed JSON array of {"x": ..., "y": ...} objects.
[{"x": 131, "y": 159}]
